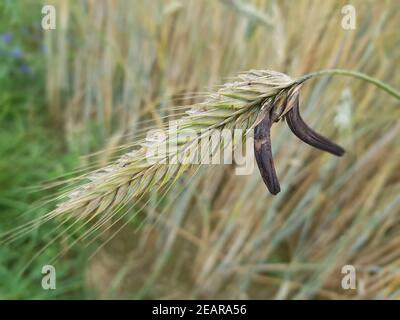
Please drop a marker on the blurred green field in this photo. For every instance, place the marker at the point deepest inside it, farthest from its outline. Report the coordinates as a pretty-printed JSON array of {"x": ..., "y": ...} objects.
[{"x": 113, "y": 69}]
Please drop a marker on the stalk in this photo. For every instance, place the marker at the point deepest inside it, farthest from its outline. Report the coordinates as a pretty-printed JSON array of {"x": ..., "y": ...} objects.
[{"x": 355, "y": 74}]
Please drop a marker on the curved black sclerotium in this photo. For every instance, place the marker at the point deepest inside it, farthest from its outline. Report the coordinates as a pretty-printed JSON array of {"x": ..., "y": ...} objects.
[
  {"x": 309, "y": 136},
  {"x": 263, "y": 154}
]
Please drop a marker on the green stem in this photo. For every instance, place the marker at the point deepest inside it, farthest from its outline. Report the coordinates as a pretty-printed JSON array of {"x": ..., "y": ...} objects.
[{"x": 382, "y": 85}]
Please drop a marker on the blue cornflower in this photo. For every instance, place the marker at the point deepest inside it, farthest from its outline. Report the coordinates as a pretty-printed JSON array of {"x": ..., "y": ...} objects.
[
  {"x": 17, "y": 53},
  {"x": 25, "y": 69},
  {"x": 6, "y": 37}
]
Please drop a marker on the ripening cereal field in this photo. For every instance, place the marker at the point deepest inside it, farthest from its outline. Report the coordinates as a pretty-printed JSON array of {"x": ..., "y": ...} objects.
[{"x": 223, "y": 149}]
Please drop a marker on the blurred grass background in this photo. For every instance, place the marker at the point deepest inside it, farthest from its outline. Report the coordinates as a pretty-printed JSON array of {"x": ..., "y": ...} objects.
[{"x": 111, "y": 69}]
